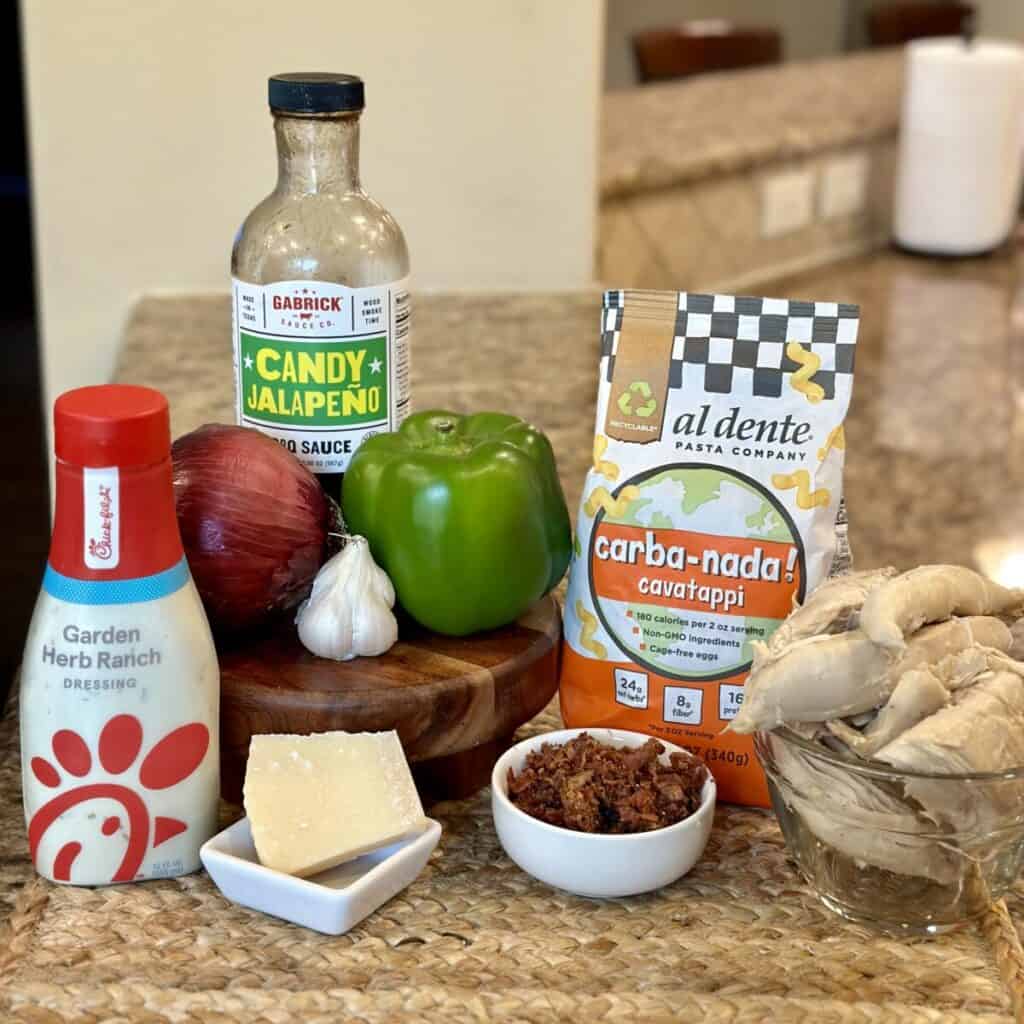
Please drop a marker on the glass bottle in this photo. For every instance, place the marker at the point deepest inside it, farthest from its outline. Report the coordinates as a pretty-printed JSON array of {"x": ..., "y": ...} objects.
[
  {"x": 120, "y": 687},
  {"x": 320, "y": 287}
]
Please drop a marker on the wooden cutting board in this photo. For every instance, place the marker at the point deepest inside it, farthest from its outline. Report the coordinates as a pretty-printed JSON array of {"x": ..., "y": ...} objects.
[{"x": 455, "y": 701}]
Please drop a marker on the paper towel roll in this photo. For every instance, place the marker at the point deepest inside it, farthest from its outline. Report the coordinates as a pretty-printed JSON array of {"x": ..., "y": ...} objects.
[{"x": 961, "y": 163}]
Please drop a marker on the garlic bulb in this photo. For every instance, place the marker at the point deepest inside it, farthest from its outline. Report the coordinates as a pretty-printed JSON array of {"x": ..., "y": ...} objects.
[{"x": 348, "y": 614}]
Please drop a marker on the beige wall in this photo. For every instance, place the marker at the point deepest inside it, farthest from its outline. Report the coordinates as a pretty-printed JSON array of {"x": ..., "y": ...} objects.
[
  {"x": 810, "y": 28},
  {"x": 150, "y": 141},
  {"x": 1003, "y": 18}
]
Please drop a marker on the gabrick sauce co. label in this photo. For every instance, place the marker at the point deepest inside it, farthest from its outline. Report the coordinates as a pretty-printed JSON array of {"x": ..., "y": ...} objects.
[{"x": 319, "y": 366}]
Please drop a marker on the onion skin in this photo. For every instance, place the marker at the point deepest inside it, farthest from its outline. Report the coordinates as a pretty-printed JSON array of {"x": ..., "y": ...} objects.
[{"x": 254, "y": 523}]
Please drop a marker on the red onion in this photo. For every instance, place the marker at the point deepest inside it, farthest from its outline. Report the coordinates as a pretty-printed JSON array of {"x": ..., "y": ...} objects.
[{"x": 254, "y": 522}]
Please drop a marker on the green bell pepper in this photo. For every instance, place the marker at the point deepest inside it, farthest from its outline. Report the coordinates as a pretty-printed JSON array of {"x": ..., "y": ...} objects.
[{"x": 464, "y": 513}]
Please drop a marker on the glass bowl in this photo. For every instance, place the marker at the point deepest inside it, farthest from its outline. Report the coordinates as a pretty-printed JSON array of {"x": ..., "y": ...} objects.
[{"x": 878, "y": 845}]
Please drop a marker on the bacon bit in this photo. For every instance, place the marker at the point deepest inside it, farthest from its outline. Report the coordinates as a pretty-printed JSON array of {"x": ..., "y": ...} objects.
[{"x": 589, "y": 786}]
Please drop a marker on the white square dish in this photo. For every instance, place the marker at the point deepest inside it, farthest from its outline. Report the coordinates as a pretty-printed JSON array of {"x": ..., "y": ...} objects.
[{"x": 331, "y": 902}]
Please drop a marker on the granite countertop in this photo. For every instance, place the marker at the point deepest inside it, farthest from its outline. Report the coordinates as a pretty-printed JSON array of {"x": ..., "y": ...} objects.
[
  {"x": 935, "y": 458},
  {"x": 935, "y": 464},
  {"x": 657, "y": 136}
]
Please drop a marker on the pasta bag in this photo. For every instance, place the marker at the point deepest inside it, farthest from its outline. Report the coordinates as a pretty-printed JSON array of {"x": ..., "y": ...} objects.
[{"x": 713, "y": 505}]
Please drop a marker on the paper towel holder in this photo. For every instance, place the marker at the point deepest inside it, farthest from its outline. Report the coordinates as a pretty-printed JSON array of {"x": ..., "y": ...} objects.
[{"x": 958, "y": 184}]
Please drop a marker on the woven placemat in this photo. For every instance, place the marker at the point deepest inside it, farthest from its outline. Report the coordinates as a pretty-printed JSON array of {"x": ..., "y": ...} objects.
[{"x": 739, "y": 939}]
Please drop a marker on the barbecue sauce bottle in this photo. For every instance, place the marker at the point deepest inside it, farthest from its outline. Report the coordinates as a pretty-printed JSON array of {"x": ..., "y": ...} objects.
[{"x": 320, "y": 288}]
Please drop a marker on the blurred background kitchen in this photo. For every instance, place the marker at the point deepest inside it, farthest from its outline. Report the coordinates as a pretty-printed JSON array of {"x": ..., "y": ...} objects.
[{"x": 523, "y": 146}]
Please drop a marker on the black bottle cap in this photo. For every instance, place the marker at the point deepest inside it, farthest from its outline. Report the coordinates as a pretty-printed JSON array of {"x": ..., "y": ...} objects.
[{"x": 316, "y": 92}]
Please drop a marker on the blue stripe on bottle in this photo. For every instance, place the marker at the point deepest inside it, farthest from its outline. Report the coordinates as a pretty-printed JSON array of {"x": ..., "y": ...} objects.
[{"x": 142, "y": 588}]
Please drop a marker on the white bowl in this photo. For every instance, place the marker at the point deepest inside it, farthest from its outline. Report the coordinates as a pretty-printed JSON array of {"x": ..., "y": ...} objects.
[
  {"x": 597, "y": 865},
  {"x": 331, "y": 902}
]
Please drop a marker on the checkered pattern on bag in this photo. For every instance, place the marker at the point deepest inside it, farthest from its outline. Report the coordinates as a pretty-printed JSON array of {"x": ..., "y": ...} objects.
[{"x": 737, "y": 345}]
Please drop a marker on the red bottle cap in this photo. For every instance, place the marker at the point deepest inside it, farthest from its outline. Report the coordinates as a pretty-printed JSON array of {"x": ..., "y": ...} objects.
[{"x": 112, "y": 425}]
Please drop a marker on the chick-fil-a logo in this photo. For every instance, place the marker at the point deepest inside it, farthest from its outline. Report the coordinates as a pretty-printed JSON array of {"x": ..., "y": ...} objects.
[
  {"x": 100, "y": 490},
  {"x": 113, "y": 773},
  {"x": 103, "y": 548}
]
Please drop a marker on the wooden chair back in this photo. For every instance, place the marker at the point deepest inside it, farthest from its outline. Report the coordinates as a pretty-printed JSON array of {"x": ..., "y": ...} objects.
[
  {"x": 893, "y": 24},
  {"x": 694, "y": 47}
]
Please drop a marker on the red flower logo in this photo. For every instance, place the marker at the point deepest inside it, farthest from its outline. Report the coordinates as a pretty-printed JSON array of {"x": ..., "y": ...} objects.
[{"x": 170, "y": 761}]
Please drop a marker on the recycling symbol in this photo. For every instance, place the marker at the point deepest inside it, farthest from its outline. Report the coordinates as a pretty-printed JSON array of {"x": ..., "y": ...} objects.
[{"x": 643, "y": 389}]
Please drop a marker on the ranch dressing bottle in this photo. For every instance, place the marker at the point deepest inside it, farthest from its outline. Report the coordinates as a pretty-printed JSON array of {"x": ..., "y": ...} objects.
[
  {"x": 119, "y": 684},
  {"x": 320, "y": 295}
]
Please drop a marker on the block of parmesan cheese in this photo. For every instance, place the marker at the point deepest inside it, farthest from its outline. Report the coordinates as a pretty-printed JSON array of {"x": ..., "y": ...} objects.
[{"x": 317, "y": 801}]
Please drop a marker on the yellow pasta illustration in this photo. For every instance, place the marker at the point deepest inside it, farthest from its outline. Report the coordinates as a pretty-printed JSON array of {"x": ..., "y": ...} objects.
[
  {"x": 809, "y": 366},
  {"x": 836, "y": 439},
  {"x": 600, "y": 498},
  {"x": 587, "y": 631},
  {"x": 805, "y": 497},
  {"x": 602, "y": 465}
]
